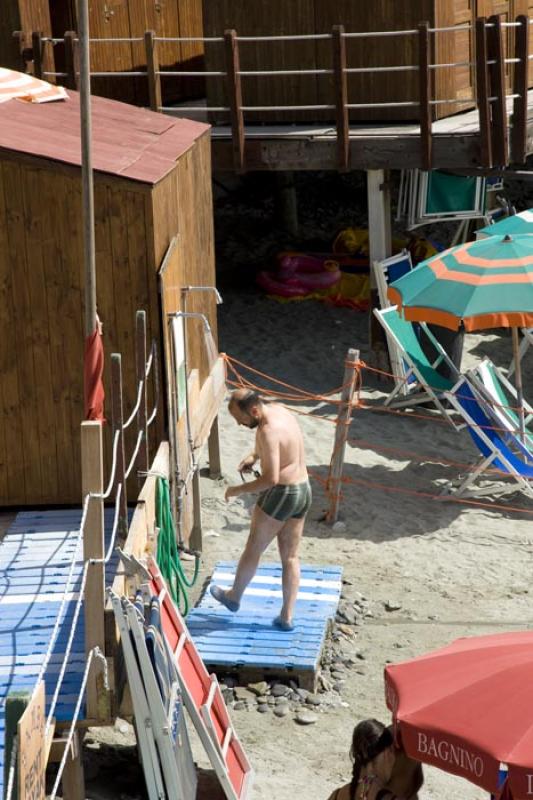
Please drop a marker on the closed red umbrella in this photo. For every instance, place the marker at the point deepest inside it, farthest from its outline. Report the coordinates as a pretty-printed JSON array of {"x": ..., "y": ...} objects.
[{"x": 468, "y": 707}]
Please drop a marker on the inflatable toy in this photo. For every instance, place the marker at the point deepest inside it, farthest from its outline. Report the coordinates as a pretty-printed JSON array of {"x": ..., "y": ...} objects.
[{"x": 298, "y": 275}]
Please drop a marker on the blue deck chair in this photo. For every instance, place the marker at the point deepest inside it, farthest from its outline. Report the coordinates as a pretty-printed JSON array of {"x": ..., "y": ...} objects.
[
  {"x": 424, "y": 382},
  {"x": 500, "y": 449},
  {"x": 527, "y": 341}
]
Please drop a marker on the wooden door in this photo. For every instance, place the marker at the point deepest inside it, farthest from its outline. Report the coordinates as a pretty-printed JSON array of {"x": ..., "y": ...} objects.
[
  {"x": 455, "y": 47},
  {"x": 525, "y": 7}
]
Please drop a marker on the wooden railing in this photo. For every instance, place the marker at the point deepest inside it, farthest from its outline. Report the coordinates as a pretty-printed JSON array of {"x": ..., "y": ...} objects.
[{"x": 499, "y": 142}]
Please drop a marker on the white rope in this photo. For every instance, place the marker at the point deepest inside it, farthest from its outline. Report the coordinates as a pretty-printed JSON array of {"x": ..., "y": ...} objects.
[
  {"x": 95, "y": 652},
  {"x": 140, "y": 436},
  {"x": 135, "y": 407},
  {"x": 114, "y": 529}
]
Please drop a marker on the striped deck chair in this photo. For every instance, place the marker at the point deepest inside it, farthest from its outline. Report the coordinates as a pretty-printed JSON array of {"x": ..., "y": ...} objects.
[
  {"x": 501, "y": 452},
  {"x": 493, "y": 386},
  {"x": 428, "y": 384},
  {"x": 527, "y": 340}
]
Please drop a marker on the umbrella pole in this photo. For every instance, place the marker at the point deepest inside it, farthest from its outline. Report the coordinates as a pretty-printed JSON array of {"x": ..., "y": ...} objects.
[
  {"x": 518, "y": 384},
  {"x": 87, "y": 170}
]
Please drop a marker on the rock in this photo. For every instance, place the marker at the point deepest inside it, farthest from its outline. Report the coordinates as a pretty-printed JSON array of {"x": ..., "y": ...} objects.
[
  {"x": 282, "y": 701},
  {"x": 306, "y": 718},
  {"x": 239, "y": 705},
  {"x": 258, "y": 689},
  {"x": 313, "y": 700},
  {"x": 279, "y": 690},
  {"x": 241, "y": 693},
  {"x": 227, "y": 694},
  {"x": 325, "y": 684},
  {"x": 271, "y": 701},
  {"x": 338, "y": 686},
  {"x": 262, "y": 701},
  {"x": 347, "y": 582},
  {"x": 361, "y": 656},
  {"x": 302, "y": 694},
  {"x": 282, "y": 710},
  {"x": 338, "y": 675},
  {"x": 263, "y": 708},
  {"x": 231, "y": 683},
  {"x": 347, "y": 630},
  {"x": 338, "y": 526},
  {"x": 122, "y": 726},
  {"x": 392, "y": 605}
]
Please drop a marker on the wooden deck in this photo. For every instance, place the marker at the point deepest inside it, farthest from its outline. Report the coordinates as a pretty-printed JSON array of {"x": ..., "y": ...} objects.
[{"x": 456, "y": 144}]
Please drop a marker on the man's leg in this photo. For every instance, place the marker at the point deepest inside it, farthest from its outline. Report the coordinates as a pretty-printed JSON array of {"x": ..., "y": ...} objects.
[
  {"x": 289, "y": 539},
  {"x": 263, "y": 530}
]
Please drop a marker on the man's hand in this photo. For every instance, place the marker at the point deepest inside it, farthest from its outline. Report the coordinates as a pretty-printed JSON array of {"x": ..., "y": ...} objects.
[
  {"x": 231, "y": 491},
  {"x": 247, "y": 463}
]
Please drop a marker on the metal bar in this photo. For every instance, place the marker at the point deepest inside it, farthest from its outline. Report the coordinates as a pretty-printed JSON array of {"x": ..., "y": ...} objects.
[
  {"x": 117, "y": 422},
  {"x": 256, "y": 73},
  {"x": 424, "y": 93},
  {"x": 384, "y": 105},
  {"x": 407, "y": 68},
  {"x": 292, "y": 108},
  {"x": 89, "y": 249},
  {"x": 497, "y": 87},
  {"x": 482, "y": 89},
  {"x": 340, "y": 85},
  {"x": 173, "y": 74},
  {"x": 520, "y": 87},
  {"x": 189, "y": 39},
  {"x": 234, "y": 90},
  {"x": 378, "y": 34},
  {"x": 294, "y": 38},
  {"x": 152, "y": 67},
  {"x": 178, "y": 109},
  {"x": 140, "y": 353},
  {"x": 37, "y": 48}
]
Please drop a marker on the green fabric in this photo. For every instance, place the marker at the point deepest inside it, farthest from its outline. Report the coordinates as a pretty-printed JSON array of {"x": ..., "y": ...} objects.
[
  {"x": 404, "y": 334},
  {"x": 167, "y": 557},
  {"x": 499, "y": 281},
  {"x": 449, "y": 193}
]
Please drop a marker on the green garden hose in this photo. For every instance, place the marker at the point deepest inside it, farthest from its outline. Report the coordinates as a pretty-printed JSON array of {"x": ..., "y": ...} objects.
[{"x": 168, "y": 558}]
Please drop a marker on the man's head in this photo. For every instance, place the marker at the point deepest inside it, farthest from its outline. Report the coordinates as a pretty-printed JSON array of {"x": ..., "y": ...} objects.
[{"x": 245, "y": 406}]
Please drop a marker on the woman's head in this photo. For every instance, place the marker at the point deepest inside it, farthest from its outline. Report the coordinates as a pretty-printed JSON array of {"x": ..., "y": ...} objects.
[{"x": 373, "y": 746}]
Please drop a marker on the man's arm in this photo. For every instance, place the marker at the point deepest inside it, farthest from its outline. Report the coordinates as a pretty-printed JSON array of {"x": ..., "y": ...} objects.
[{"x": 269, "y": 469}]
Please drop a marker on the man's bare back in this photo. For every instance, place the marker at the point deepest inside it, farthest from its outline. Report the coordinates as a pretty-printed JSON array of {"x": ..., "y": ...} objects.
[{"x": 280, "y": 431}]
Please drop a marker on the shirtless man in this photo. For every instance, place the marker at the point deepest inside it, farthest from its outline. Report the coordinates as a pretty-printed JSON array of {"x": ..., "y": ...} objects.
[{"x": 283, "y": 502}]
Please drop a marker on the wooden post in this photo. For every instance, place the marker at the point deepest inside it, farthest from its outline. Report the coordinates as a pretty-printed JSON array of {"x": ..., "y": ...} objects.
[
  {"x": 196, "y": 533},
  {"x": 117, "y": 423},
  {"x": 92, "y": 479},
  {"x": 520, "y": 87},
  {"x": 482, "y": 91},
  {"x": 140, "y": 351},
  {"x": 343, "y": 421},
  {"x": 497, "y": 90},
  {"x": 72, "y": 781},
  {"x": 37, "y": 48},
  {"x": 424, "y": 92},
  {"x": 152, "y": 68},
  {"x": 213, "y": 446},
  {"x": 287, "y": 202},
  {"x": 234, "y": 89},
  {"x": 380, "y": 243},
  {"x": 340, "y": 84},
  {"x": 71, "y": 66}
]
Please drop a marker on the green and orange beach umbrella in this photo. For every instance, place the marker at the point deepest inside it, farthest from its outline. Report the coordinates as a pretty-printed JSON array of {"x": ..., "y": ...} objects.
[{"x": 482, "y": 284}]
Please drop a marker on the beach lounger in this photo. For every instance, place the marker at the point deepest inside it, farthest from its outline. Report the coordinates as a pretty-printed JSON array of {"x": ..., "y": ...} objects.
[
  {"x": 501, "y": 452},
  {"x": 386, "y": 272},
  {"x": 527, "y": 340},
  {"x": 494, "y": 387},
  {"x": 421, "y": 376}
]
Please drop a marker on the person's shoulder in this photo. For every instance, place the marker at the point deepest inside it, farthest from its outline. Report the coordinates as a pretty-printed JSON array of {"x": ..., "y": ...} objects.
[{"x": 342, "y": 793}]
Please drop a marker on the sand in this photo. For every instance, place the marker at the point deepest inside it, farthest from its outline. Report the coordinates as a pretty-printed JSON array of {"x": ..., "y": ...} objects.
[{"x": 448, "y": 569}]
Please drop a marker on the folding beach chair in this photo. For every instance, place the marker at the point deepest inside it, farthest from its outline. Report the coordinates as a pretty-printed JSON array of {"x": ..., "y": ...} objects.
[
  {"x": 493, "y": 386},
  {"x": 527, "y": 340},
  {"x": 421, "y": 377},
  {"x": 502, "y": 452},
  {"x": 386, "y": 272}
]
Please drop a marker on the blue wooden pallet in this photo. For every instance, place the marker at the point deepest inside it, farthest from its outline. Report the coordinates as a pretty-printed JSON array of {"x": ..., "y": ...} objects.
[
  {"x": 249, "y": 640},
  {"x": 35, "y": 560}
]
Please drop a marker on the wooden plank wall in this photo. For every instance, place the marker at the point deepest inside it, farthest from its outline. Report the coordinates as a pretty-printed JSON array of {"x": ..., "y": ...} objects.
[{"x": 23, "y": 15}]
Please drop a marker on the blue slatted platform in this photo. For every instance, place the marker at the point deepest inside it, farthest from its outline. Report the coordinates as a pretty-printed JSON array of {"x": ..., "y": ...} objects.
[
  {"x": 249, "y": 640},
  {"x": 35, "y": 559}
]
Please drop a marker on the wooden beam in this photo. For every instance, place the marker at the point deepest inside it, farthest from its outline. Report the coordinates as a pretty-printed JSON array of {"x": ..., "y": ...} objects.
[
  {"x": 92, "y": 478},
  {"x": 234, "y": 91},
  {"x": 195, "y": 541},
  {"x": 520, "y": 87},
  {"x": 482, "y": 91},
  {"x": 71, "y": 60},
  {"x": 341, "y": 434},
  {"x": 340, "y": 85},
  {"x": 424, "y": 96},
  {"x": 496, "y": 53},
  {"x": 213, "y": 444},
  {"x": 152, "y": 69},
  {"x": 37, "y": 49},
  {"x": 140, "y": 360}
]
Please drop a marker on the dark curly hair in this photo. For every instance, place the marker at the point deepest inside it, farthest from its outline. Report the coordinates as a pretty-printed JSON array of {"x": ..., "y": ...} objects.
[{"x": 370, "y": 738}]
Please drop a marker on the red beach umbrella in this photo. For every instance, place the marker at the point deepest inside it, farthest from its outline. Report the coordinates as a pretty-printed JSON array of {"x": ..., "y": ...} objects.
[{"x": 468, "y": 707}]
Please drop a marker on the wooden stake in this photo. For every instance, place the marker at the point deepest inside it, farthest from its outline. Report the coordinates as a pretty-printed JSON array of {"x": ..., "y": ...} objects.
[
  {"x": 71, "y": 58},
  {"x": 213, "y": 445},
  {"x": 152, "y": 67},
  {"x": 497, "y": 90},
  {"x": 520, "y": 87},
  {"x": 340, "y": 82},
  {"x": 117, "y": 419},
  {"x": 424, "y": 91},
  {"x": 343, "y": 420},
  {"x": 196, "y": 533},
  {"x": 37, "y": 48},
  {"x": 140, "y": 352},
  {"x": 92, "y": 479},
  {"x": 72, "y": 781},
  {"x": 234, "y": 90},
  {"x": 482, "y": 89}
]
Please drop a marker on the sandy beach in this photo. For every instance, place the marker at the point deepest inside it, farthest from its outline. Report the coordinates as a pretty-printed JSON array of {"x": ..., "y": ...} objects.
[{"x": 448, "y": 569}]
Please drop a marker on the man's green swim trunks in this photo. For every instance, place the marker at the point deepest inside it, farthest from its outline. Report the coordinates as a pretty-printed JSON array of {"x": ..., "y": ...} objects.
[{"x": 286, "y": 502}]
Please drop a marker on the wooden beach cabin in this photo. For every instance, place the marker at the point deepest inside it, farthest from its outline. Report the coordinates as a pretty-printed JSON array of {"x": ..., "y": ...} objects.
[{"x": 152, "y": 189}]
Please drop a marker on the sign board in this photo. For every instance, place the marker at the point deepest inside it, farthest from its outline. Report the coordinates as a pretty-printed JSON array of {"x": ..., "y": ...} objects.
[{"x": 31, "y": 757}]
